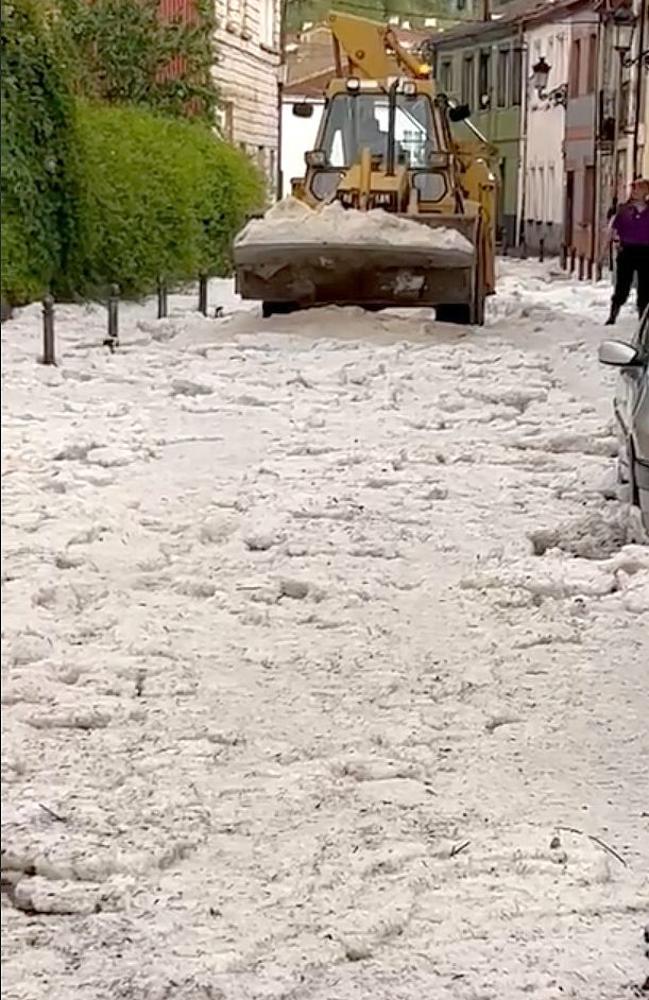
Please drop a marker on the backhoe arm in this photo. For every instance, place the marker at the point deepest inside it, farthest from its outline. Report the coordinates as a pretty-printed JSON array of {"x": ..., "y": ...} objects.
[{"x": 373, "y": 51}]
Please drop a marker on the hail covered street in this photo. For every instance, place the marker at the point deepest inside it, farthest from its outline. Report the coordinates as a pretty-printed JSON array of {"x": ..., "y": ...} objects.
[{"x": 325, "y": 650}]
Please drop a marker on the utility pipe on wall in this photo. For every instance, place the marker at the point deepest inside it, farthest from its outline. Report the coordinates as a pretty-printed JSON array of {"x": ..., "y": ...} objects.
[
  {"x": 522, "y": 157},
  {"x": 594, "y": 225},
  {"x": 638, "y": 88}
]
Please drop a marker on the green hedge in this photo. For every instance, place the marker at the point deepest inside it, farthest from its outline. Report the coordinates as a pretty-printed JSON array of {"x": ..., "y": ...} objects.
[
  {"x": 39, "y": 181},
  {"x": 96, "y": 194},
  {"x": 160, "y": 196},
  {"x": 121, "y": 51}
]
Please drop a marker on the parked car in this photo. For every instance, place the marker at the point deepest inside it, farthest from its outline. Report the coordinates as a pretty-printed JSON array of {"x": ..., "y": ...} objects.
[{"x": 631, "y": 406}]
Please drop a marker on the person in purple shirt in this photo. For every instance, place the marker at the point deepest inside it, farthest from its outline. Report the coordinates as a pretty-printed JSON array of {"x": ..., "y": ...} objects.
[{"x": 630, "y": 227}]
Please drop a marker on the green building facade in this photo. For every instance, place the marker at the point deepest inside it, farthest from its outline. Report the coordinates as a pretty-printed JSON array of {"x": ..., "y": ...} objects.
[{"x": 481, "y": 65}]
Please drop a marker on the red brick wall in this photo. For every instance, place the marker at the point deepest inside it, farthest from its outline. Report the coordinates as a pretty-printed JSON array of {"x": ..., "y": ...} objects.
[{"x": 171, "y": 10}]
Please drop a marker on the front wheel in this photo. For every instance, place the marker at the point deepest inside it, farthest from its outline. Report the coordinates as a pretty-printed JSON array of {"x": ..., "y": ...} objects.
[
  {"x": 456, "y": 313},
  {"x": 269, "y": 309},
  {"x": 479, "y": 309},
  {"x": 464, "y": 313}
]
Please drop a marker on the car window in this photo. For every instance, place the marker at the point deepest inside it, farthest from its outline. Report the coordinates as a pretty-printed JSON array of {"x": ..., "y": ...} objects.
[{"x": 643, "y": 333}]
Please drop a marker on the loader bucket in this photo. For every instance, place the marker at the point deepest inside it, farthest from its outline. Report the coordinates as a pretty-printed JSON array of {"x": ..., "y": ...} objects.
[{"x": 299, "y": 275}]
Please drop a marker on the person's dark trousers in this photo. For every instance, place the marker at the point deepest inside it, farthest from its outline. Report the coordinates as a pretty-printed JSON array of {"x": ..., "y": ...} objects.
[{"x": 632, "y": 261}]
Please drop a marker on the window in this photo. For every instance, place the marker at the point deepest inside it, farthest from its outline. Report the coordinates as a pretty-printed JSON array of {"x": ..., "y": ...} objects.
[
  {"x": 356, "y": 122},
  {"x": 446, "y": 77},
  {"x": 589, "y": 194},
  {"x": 625, "y": 105},
  {"x": 620, "y": 175},
  {"x": 233, "y": 15},
  {"x": 484, "y": 80},
  {"x": 267, "y": 23},
  {"x": 575, "y": 69},
  {"x": 468, "y": 81},
  {"x": 225, "y": 119},
  {"x": 591, "y": 82},
  {"x": 561, "y": 59},
  {"x": 551, "y": 195},
  {"x": 531, "y": 192},
  {"x": 503, "y": 69},
  {"x": 569, "y": 208},
  {"x": 517, "y": 76}
]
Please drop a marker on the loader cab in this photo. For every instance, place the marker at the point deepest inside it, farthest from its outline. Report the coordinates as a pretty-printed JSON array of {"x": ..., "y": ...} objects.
[{"x": 401, "y": 127}]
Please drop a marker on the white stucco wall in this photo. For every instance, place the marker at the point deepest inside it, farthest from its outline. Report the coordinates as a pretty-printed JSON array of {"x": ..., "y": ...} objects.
[
  {"x": 298, "y": 137},
  {"x": 544, "y": 181},
  {"x": 246, "y": 72}
]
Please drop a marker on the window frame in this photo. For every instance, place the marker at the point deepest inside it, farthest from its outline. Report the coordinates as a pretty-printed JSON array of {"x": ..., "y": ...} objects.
[
  {"x": 502, "y": 78},
  {"x": 468, "y": 80},
  {"x": 574, "y": 69}
]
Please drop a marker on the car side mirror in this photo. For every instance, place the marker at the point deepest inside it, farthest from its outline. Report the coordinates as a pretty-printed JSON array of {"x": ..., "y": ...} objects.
[
  {"x": 303, "y": 110},
  {"x": 618, "y": 354}
]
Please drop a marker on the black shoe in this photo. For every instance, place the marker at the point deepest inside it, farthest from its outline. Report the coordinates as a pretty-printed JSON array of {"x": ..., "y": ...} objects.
[{"x": 610, "y": 321}]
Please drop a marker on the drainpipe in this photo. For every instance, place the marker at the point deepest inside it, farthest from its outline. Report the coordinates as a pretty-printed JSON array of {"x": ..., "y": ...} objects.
[
  {"x": 638, "y": 88},
  {"x": 594, "y": 234},
  {"x": 617, "y": 72},
  {"x": 281, "y": 71},
  {"x": 522, "y": 159}
]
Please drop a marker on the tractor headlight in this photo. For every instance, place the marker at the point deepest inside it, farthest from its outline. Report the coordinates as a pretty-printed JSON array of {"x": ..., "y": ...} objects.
[
  {"x": 409, "y": 88},
  {"x": 353, "y": 85},
  {"x": 436, "y": 160},
  {"x": 430, "y": 187},
  {"x": 316, "y": 158},
  {"x": 324, "y": 183}
]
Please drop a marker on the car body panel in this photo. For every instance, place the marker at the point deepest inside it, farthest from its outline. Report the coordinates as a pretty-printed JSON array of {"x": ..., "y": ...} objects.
[{"x": 631, "y": 406}]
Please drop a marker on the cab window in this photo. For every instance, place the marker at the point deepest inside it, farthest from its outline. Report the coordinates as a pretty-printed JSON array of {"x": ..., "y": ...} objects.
[{"x": 360, "y": 121}]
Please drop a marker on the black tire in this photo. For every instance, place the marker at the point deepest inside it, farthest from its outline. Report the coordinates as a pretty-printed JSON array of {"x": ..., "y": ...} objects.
[
  {"x": 269, "y": 309},
  {"x": 479, "y": 296},
  {"x": 456, "y": 313},
  {"x": 479, "y": 310}
]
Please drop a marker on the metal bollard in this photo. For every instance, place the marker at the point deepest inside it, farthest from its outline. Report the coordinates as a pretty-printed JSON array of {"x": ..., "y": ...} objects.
[
  {"x": 573, "y": 254},
  {"x": 112, "y": 335},
  {"x": 580, "y": 273},
  {"x": 202, "y": 294},
  {"x": 48, "y": 331},
  {"x": 589, "y": 269},
  {"x": 598, "y": 271},
  {"x": 504, "y": 248},
  {"x": 523, "y": 250},
  {"x": 541, "y": 250},
  {"x": 163, "y": 305},
  {"x": 563, "y": 256}
]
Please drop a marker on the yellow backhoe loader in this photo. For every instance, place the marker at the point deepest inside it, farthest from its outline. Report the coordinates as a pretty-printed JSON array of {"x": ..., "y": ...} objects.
[{"x": 387, "y": 140}]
